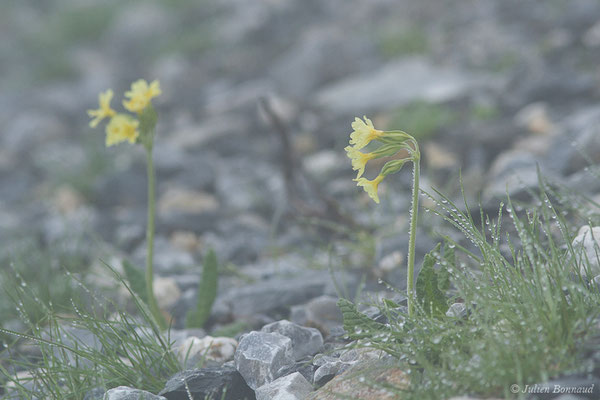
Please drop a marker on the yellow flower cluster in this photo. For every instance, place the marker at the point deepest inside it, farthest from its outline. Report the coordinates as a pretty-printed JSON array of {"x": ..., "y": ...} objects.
[
  {"x": 124, "y": 127},
  {"x": 393, "y": 141}
]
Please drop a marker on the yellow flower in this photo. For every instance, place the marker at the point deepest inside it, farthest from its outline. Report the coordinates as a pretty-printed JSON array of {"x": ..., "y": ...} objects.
[
  {"x": 370, "y": 186},
  {"x": 140, "y": 95},
  {"x": 121, "y": 127},
  {"x": 104, "y": 111},
  {"x": 363, "y": 133},
  {"x": 359, "y": 159}
]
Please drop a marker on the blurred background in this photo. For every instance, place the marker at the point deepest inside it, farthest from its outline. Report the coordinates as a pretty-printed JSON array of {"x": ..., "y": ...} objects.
[{"x": 490, "y": 88}]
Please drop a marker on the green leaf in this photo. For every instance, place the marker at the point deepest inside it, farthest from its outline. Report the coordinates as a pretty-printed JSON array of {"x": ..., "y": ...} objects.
[
  {"x": 450, "y": 262},
  {"x": 356, "y": 324},
  {"x": 207, "y": 292},
  {"x": 136, "y": 279},
  {"x": 429, "y": 295}
]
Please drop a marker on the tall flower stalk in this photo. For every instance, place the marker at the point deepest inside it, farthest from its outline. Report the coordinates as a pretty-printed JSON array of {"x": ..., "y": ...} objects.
[
  {"x": 138, "y": 128},
  {"x": 401, "y": 148}
]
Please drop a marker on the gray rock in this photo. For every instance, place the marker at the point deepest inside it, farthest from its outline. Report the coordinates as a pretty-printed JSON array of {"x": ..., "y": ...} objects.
[
  {"x": 321, "y": 313},
  {"x": 327, "y": 371},
  {"x": 127, "y": 393},
  {"x": 206, "y": 382},
  {"x": 261, "y": 356},
  {"x": 578, "y": 143},
  {"x": 290, "y": 387},
  {"x": 305, "y": 341},
  {"x": 457, "y": 310},
  {"x": 512, "y": 172},
  {"x": 397, "y": 83},
  {"x": 272, "y": 295}
]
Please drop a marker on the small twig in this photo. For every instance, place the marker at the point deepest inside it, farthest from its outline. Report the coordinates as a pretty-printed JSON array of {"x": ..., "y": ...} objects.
[{"x": 293, "y": 171}]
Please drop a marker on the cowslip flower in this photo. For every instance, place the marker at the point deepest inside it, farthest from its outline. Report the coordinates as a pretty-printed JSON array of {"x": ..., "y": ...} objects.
[
  {"x": 364, "y": 132},
  {"x": 359, "y": 159},
  {"x": 370, "y": 186},
  {"x": 122, "y": 127},
  {"x": 140, "y": 95},
  {"x": 104, "y": 111}
]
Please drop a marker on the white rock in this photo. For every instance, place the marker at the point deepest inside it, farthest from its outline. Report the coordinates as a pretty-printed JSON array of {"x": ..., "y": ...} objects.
[
  {"x": 127, "y": 393},
  {"x": 290, "y": 387},
  {"x": 166, "y": 292},
  {"x": 219, "y": 349},
  {"x": 587, "y": 249}
]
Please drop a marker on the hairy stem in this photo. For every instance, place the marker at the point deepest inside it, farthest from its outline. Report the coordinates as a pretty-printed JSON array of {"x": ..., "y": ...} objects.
[
  {"x": 150, "y": 242},
  {"x": 414, "y": 209}
]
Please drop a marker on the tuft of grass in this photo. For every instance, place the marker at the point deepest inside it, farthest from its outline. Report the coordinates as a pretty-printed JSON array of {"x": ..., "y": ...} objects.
[
  {"x": 421, "y": 118},
  {"x": 529, "y": 309},
  {"x": 101, "y": 346},
  {"x": 41, "y": 273}
]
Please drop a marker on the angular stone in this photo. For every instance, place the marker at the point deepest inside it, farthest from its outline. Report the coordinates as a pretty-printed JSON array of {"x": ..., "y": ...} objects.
[
  {"x": 206, "y": 382},
  {"x": 305, "y": 341},
  {"x": 290, "y": 387},
  {"x": 127, "y": 393},
  {"x": 327, "y": 371},
  {"x": 261, "y": 356}
]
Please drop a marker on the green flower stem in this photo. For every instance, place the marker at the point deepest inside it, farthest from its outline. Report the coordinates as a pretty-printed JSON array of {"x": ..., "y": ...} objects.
[
  {"x": 414, "y": 210},
  {"x": 150, "y": 241}
]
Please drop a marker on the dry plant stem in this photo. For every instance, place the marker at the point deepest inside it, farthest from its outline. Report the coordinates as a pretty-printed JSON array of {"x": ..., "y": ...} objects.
[
  {"x": 414, "y": 209},
  {"x": 150, "y": 242}
]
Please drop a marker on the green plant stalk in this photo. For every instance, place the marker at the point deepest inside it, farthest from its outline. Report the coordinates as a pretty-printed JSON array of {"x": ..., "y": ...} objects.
[
  {"x": 150, "y": 241},
  {"x": 414, "y": 210}
]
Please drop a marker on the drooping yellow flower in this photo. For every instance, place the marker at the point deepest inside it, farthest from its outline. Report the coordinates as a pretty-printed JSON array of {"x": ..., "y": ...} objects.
[
  {"x": 140, "y": 95},
  {"x": 370, "y": 186},
  {"x": 122, "y": 127},
  {"x": 104, "y": 111},
  {"x": 359, "y": 159},
  {"x": 364, "y": 132}
]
